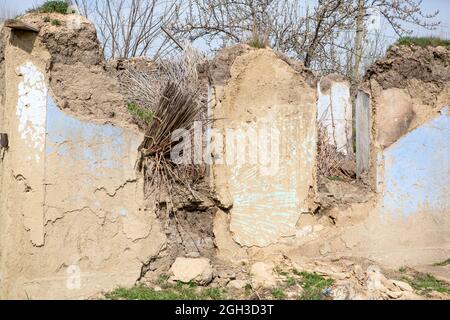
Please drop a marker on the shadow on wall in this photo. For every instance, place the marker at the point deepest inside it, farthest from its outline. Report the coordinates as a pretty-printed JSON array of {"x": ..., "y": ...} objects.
[{"x": 23, "y": 39}]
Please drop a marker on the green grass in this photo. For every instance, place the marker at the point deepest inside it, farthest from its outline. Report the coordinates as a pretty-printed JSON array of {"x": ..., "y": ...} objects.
[
  {"x": 290, "y": 281},
  {"x": 141, "y": 113},
  {"x": 56, "y": 22},
  {"x": 313, "y": 285},
  {"x": 52, "y": 6},
  {"x": 423, "y": 41},
  {"x": 257, "y": 42},
  {"x": 248, "y": 289},
  {"x": 402, "y": 269},
  {"x": 425, "y": 283},
  {"x": 179, "y": 291},
  {"x": 335, "y": 178},
  {"x": 278, "y": 293},
  {"x": 442, "y": 263}
]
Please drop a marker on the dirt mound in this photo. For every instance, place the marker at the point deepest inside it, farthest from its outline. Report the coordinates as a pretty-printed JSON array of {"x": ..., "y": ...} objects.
[
  {"x": 78, "y": 76},
  {"x": 404, "y": 63},
  {"x": 222, "y": 62}
]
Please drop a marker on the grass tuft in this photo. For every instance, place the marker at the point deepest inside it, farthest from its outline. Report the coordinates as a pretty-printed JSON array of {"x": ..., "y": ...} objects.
[
  {"x": 179, "y": 291},
  {"x": 52, "y": 6},
  {"x": 313, "y": 285},
  {"x": 423, "y": 41},
  {"x": 141, "y": 113},
  {"x": 56, "y": 22},
  {"x": 257, "y": 42},
  {"x": 425, "y": 283},
  {"x": 278, "y": 293}
]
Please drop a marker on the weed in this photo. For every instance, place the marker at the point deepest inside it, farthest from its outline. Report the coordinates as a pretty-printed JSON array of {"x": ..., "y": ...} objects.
[
  {"x": 179, "y": 291},
  {"x": 56, "y": 22},
  {"x": 425, "y": 283},
  {"x": 335, "y": 178},
  {"x": 402, "y": 269},
  {"x": 257, "y": 42},
  {"x": 278, "y": 293},
  {"x": 424, "y": 41},
  {"x": 313, "y": 285},
  {"x": 52, "y": 6},
  {"x": 141, "y": 113},
  {"x": 290, "y": 281},
  {"x": 248, "y": 289}
]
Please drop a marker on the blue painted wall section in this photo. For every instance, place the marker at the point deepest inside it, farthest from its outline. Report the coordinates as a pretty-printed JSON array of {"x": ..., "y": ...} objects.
[
  {"x": 99, "y": 146},
  {"x": 417, "y": 170}
]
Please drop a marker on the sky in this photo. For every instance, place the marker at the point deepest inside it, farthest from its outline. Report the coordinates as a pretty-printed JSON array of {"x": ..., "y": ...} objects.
[{"x": 428, "y": 6}]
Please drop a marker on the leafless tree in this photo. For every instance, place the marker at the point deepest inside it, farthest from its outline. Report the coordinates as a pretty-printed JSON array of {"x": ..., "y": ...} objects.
[
  {"x": 289, "y": 26},
  {"x": 322, "y": 35},
  {"x": 130, "y": 28}
]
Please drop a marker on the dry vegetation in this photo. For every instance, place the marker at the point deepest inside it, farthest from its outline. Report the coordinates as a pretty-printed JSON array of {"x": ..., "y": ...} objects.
[{"x": 174, "y": 95}]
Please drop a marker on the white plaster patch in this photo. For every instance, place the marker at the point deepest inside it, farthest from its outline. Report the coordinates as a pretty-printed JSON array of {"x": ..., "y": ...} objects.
[
  {"x": 334, "y": 112},
  {"x": 31, "y": 107}
]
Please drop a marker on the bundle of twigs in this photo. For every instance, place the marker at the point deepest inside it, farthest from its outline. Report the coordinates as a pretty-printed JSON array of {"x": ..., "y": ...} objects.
[
  {"x": 330, "y": 161},
  {"x": 176, "y": 110},
  {"x": 175, "y": 95}
]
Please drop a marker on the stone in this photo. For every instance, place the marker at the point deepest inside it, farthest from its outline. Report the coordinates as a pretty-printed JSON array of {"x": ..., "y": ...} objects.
[
  {"x": 237, "y": 284},
  {"x": 197, "y": 270},
  {"x": 262, "y": 275},
  {"x": 226, "y": 274},
  {"x": 375, "y": 279},
  {"x": 359, "y": 272},
  {"x": 394, "y": 294},
  {"x": 325, "y": 249},
  {"x": 403, "y": 286}
]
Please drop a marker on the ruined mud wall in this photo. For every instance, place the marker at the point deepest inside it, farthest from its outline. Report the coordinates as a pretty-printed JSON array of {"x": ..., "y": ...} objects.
[
  {"x": 265, "y": 173},
  {"x": 403, "y": 134},
  {"x": 72, "y": 213}
]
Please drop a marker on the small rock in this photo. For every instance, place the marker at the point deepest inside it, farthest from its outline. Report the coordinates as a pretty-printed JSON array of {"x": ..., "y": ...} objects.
[
  {"x": 198, "y": 270},
  {"x": 325, "y": 249},
  {"x": 359, "y": 272},
  {"x": 375, "y": 279},
  {"x": 237, "y": 284},
  {"x": 342, "y": 292},
  {"x": 226, "y": 274},
  {"x": 402, "y": 285},
  {"x": 262, "y": 275},
  {"x": 394, "y": 294},
  {"x": 157, "y": 289}
]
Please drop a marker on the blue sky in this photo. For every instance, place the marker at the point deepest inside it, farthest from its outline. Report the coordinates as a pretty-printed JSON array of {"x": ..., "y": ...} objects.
[{"x": 428, "y": 6}]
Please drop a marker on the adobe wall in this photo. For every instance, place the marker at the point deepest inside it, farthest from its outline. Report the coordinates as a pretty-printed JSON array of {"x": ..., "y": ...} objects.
[
  {"x": 255, "y": 91},
  {"x": 72, "y": 214},
  {"x": 403, "y": 130}
]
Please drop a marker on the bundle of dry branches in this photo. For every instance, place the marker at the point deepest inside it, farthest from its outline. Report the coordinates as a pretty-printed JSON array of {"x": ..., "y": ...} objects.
[
  {"x": 176, "y": 96},
  {"x": 330, "y": 162}
]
